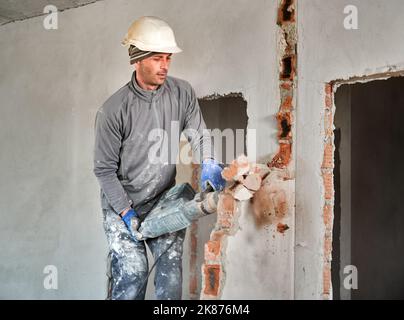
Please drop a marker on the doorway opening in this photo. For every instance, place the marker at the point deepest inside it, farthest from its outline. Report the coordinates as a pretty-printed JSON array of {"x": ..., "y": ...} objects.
[{"x": 368, "y": 228}]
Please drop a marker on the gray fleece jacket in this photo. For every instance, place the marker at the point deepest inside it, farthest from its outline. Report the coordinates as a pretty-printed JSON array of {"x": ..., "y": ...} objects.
[{"x": 137, "y": 135}]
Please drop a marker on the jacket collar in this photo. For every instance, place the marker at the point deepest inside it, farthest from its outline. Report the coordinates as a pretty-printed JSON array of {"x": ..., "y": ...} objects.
[{"x": 147, "y": 95}]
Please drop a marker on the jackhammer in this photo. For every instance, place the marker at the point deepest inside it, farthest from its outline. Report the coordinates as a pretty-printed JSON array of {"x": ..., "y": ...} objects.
[{"x": 176, "y": 210}]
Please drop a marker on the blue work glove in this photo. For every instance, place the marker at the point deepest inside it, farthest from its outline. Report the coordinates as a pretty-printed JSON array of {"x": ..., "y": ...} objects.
[
  {"x": 131, "y": 220},
  {"x": 211, "y": 174}
]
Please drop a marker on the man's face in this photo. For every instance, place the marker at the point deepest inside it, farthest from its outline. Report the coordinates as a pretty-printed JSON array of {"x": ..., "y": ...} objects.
[{"x": 153, "y": 70}]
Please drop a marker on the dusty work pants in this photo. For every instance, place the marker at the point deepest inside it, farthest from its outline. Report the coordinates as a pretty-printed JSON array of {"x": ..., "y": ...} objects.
[{"x": 129, "y": 265}]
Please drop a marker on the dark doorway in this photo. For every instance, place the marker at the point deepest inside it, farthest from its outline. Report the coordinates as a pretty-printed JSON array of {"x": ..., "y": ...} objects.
[
  {"x": 227, "y": 113},
  {"x": 369, "y": 189}
]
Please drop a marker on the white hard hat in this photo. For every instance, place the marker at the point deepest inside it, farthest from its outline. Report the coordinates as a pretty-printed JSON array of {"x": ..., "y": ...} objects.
[{"x": 151, "y": 34}]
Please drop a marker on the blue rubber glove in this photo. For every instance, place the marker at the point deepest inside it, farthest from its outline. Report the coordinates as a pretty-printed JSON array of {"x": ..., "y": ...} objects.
[
  {"x": 131, "y": 220},
  {"x": 211, "y": 174}
]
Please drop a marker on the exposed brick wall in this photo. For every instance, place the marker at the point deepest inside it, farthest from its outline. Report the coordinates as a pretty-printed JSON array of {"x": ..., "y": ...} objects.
[
  {"x": 213, "y": 275},
  {"x": 213, "y": 270},
  {"x": 287, "y": 81},
  {"x": 327, "y": 174},
  {"x": 193, "y": 278}
]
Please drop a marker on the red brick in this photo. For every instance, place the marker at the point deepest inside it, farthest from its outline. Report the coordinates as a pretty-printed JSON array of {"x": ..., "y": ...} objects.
[
  {"x": 328, "y": 185},
  {"x": 282, "y": 159},
  {"x": 217, "y": 235},
  {"x": 230, "y": 172},
  {"x": 195, "y": 176},
  {"x": 328, "y": 159},
  {"x": 328, "y": 101},
  {"x": 193, "y": 284},
  {"x": 327, "y": 247},
  {"x": 212, "y": 250},
  {"x": 212, "y": 279},
  {"x": 225, "y": 210},
  {"x": 194, "y": 232},
  {"x": 327, "y": 215},
  {"x": 328, "y": 89},
  {"x": 193, "y": 281},
  {"x": 287, "y": 103},
  {"x": 192, "y": 262},
  {"x": 326, "y": 279},
  {"x": 226, "y": 203}
]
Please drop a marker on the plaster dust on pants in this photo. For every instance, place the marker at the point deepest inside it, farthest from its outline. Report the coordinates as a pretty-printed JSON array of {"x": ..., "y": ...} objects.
[
  {"x": 129, "y": 265},
  {"x": 163, "y": 228}
]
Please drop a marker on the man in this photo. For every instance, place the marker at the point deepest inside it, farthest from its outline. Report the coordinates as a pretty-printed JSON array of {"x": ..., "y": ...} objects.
[{"x": 132, "y": 181}]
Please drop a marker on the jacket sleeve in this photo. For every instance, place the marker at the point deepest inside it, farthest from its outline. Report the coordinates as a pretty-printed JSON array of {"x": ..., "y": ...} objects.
[
  {"x": 107, "y": 147},
  {"x": 195, "y": 130}
]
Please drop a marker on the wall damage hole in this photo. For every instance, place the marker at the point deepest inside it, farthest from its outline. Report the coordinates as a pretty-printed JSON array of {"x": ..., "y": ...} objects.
[
  {"x": 286, "y": 12},
  {"x": 227, "y": 116},
  {"x": 368, "y": 207},
  {"x": 287, "y": 68},
  {"x": 285, "y": 125}
]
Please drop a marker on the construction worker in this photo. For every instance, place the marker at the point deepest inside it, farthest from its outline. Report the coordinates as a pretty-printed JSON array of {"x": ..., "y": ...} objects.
[{"x": 131, "y": 182}]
